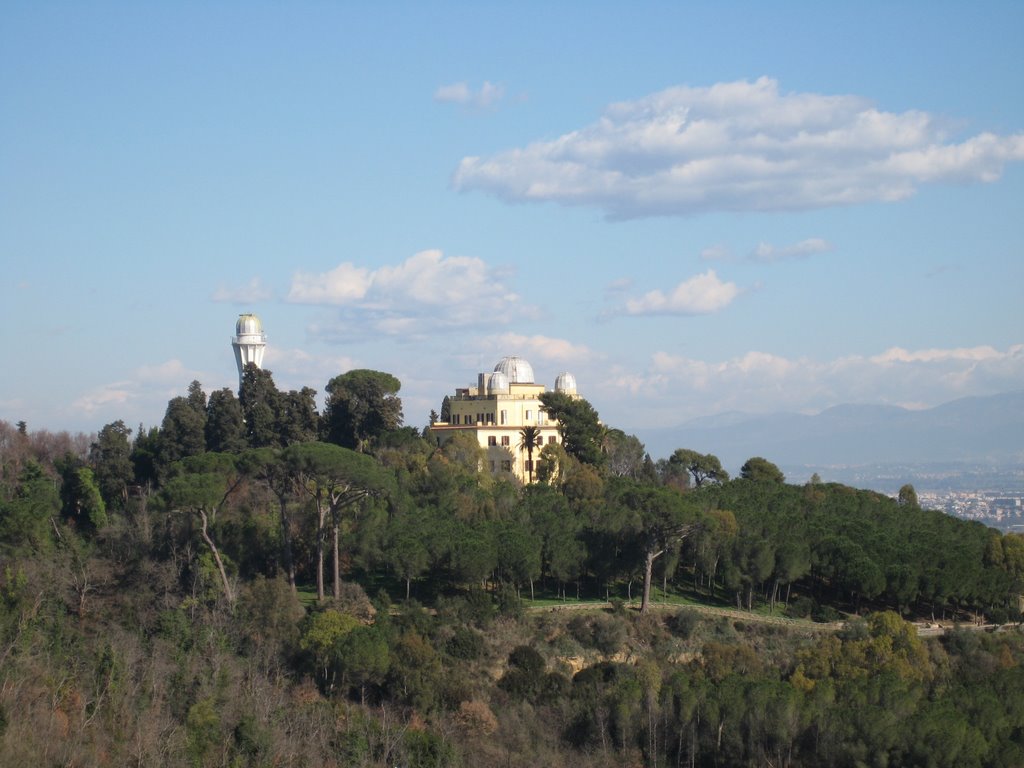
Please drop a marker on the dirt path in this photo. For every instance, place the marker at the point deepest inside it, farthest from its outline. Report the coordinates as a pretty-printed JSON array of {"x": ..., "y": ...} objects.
[
  {"x": 707, "y": 610},
  {"x": 924, "y": 629}
]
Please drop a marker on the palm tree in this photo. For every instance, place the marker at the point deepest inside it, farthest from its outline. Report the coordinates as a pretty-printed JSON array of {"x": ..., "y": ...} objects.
[{"x": 528, "y": 437}]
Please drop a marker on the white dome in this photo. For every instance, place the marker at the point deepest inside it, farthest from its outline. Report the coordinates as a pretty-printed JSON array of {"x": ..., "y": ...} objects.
[
  {"x": 565, "y": 382},
  {"x": 516, "y": 368},
  {"x": 497, "y": 383},
  {"x": 248, "y": 325}
]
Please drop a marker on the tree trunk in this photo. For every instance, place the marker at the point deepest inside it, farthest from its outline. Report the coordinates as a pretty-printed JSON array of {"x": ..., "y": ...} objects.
[
  {"x": 321, "y": 517},
  {"x": 216, "y": 556},
  {"x": 286, "y": 544},
  {"x": 649, "y": 557},
  {"x": 336, "y": 554}
]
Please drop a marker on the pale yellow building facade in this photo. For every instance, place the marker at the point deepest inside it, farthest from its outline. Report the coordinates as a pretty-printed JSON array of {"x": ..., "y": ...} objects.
[{"x": 495, "y": 412}]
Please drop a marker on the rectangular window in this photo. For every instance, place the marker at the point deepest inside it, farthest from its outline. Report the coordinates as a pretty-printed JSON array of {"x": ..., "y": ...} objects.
[
  {"x": 504, "y": 417},
  {"x": 504, "y": 439},
  {"x": 492, "y": 440},
  {"x": 551, "y": 439},
  {"x": 540, "y": 440},
  {"x": 455, "y": 418},
  {"x": 506, "y": 466},
  {"x": 529, "y": 465},
  {"x": 490, "y": 418},
  {"x": 528, "y": 414}
]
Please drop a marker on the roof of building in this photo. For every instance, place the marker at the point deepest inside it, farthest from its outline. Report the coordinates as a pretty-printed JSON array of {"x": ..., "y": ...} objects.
[
  {"x": 518, "y": 370},
  {"x": 248, "y": 325}
]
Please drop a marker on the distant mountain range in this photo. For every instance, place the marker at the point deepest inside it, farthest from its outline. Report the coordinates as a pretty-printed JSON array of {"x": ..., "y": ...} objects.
[{"x": 969, "y": 431}]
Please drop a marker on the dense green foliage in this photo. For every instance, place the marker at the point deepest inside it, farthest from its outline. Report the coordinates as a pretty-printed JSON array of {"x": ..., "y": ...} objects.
[{"x": 164, "y": 601}]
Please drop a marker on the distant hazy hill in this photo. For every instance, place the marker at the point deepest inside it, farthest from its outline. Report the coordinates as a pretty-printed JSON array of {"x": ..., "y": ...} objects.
[{"x": 973, "y": 429}]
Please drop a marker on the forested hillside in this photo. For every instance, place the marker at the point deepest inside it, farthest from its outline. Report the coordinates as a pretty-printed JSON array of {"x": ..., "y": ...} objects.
[{"x": 254, "y": 583}]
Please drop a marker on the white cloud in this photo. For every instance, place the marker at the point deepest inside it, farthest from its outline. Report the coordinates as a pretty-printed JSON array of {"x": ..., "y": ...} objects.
[
  {"x": 142, "y": 396},
  {"x": 969, "y": 354},
  {"x": 700, "y": 295},
  {"x": 427, "y": 293},
  {"x": 340, "y": 285},
  {"x": 767, "y": 253},
  {"x": 171, "y": 372},
  {"x": 716, "y": 252},
  {"x": 249, "y": 293},
  {"x": 105, "y": 397},
  {"x": 539, "y": 347},
  {"x": 739, "y": 146},
  {"x": 487, "y": 95},
  {"x": 297, "y": 368},
  {"x": 762, "y": 382}
]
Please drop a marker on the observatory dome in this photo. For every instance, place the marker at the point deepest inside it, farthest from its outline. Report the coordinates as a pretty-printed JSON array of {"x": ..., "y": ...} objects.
[
  {"x": 516, "y": 368},
  {"x": 565, "y": 382},
  {"x": 498, "y": 383},
  {"x": 248, "y": 325}
]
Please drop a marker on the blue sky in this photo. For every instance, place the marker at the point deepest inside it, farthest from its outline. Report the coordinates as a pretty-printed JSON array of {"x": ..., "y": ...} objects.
[{"x": 694, "y": 208}]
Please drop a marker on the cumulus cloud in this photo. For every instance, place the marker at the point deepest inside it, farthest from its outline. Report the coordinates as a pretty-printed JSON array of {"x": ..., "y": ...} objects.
[
  {"x": 740, "y": 146},
  {"x": 249, "y": 293},
  {"x": 766, "y": 253},
  {"x": 297, "y": 368},
  {"x": 343, "y": 284},
  {"x": 461, "y": 93},
  {"x": 539, "y": 347},
  {"x": 700, "y": 295},
  {"x": 426, "y": 293},
  {"x": 717, "y": 252},
  {"x": 763, "y": 382},
  {"x": 115, "y": 394},
  {"x": 143, "y": 395}
]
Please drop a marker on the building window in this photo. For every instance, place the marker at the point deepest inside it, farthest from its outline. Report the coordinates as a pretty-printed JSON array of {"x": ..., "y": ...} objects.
[
  {"x": 529, "y": 465},
  {"x": 492, "y": 440},
  {"x": 490, "y": 418},
  {"x": 504, "y": 417},
  {"x": 551, "y": 439},
  {"x": 504, "y": 439},
  {"x": 528, "y": 414},
  {"x": 506, "y": 466}
]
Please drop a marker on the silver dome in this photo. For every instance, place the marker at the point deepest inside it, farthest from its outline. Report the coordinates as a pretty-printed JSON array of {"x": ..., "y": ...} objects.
[
  {"x": 248, "y": 325},
  {"x": 565, "y": 382},
  {"x": 516, "y": 368},
  {"x": 498, "y": 383}
]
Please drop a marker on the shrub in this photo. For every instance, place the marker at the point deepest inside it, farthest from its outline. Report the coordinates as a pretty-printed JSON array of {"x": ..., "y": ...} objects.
[
  {"x": 476, "y": 719},
  {"x": 465, "y": 644},
  {"x": 605, "y": 633},
  {"x": 524, "y": 679},
  {"x": 510, "y": 604},
  {"x": 609, "y": 634},
  {"x": 685, "y": 622},
  {"x": 802, "y": 608}
]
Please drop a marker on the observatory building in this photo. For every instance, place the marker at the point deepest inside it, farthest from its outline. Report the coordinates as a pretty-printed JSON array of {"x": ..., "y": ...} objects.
[
  {"x": 249, "y": 343},
  {"x": 496, "y": 410}
]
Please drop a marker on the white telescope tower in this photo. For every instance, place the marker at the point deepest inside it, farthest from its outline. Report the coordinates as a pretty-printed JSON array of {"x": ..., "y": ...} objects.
[{"x": 249, "y": 343}]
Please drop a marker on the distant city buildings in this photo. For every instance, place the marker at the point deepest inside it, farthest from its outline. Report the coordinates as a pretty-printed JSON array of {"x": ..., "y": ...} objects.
[
  {"x": 997, "y": 509},
  {"x": 495, "y": 412},
  {"x": 249, "y": 343}
]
